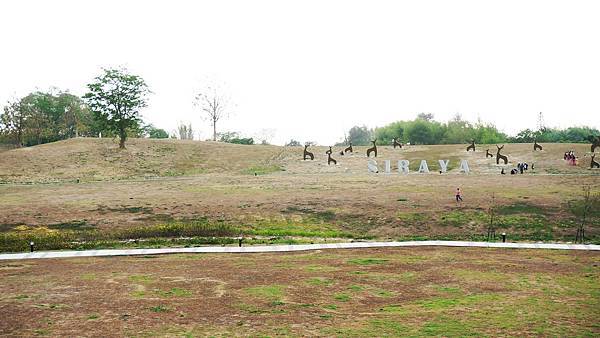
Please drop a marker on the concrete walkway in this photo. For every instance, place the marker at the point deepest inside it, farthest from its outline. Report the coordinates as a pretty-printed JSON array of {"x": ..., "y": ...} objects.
[{"x": 288, "y": 248}]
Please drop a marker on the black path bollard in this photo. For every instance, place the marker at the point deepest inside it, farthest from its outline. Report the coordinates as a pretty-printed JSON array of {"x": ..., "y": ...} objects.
[
  {"x": 240, "y": 240},
  {"x": 504, "y": 237},
  {"x": 31, "y": 244}
]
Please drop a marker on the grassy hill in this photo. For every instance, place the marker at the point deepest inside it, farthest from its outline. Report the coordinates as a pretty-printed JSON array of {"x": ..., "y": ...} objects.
[
  {"x": 90, "y": 159},
  {"x": 216, "y": 193}
]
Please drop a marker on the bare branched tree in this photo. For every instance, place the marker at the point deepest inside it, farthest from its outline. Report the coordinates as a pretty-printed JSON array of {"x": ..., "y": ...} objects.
[
  {"x": 587, "y": 208},
  {"x": 265, "y": 135},
  {"x": 214, "y": 106},
  {"x": 491, "y": 233}
]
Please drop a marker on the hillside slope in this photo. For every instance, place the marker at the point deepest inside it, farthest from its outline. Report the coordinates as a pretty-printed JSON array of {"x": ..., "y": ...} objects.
[
  {"x": 100, "y": 159},
  {"x": 90, "y": 159}
]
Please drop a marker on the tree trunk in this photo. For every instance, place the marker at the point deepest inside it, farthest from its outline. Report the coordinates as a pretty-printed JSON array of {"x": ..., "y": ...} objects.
[
  {"x": 214, "y": 130},
  {"x": 122, "y": 137}
]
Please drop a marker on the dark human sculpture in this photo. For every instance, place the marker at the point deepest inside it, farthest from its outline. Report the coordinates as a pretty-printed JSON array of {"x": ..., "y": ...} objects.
[
  {"x": 330, "y": 159},
  {"x": 500, "y": 156},
  {"x": 308, "y": 154},
  {"x": 472, "y": 146},
  {"x": 488, "y": 154},
  {"x": 595, "y": 142},
  {"x": 594, "y": 164},
  {"x": 373, "y": 149},
  {"x": 395, "y": 143},
  {"x": 328, "y": 152},
  {"x": 536, "y": 146}
]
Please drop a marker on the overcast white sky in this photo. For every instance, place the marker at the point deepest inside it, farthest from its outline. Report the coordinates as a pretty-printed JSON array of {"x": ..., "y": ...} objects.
[{"x": 312, "y": 69}]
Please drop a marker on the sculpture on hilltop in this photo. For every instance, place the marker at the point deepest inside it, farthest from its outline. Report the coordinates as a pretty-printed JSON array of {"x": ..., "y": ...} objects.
[
  {"x": 500, "y": 156},
  {"x": 347, "y": 150},
  {"x": 472, "y": 146},
  {"x": 373, "y": 149},
  {"x": 593, "y": 163},
  {"x": 595, "y": 142},
  {"x": 308, "y": 154}
]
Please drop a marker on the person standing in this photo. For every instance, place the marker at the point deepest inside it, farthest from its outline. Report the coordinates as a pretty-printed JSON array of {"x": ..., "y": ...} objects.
[{"x": 458, "y": 195}]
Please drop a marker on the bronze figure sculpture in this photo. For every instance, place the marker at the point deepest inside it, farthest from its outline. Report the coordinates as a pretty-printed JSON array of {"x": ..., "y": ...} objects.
[
  {"x": 373, "y": 149},
  {"x": 395, "y": 143},
  {"x": 330, "y": 159},
  {"x": 594, "y": 164},
  {"x": 349, "y": 149},
  {"x": 308, "y": 153},
  {"x": 500, "y": 156},
  {"x": 472, "y": 146},
  {"x": 488, "y": 154},
  {"x": 536, "y": 146},
  {"x": 595, "y": 142}
]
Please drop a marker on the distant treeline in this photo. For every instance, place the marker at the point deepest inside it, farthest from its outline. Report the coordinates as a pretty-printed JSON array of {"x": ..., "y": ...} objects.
[
  {"x": 42, "y": 117},
  {"x": 425, "y": 130}
]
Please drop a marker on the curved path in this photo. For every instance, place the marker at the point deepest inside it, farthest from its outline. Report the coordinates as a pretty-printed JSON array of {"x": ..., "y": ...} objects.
[{"x": 288, "y": 248}]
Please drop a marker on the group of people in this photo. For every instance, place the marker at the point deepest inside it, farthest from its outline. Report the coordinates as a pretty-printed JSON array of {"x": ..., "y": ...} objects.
[
  {"x": 570, "y": 158},
  {"x": 521, "y": 167}
]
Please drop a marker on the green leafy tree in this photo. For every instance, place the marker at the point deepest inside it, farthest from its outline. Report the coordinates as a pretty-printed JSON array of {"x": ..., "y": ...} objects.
[
  {"x": 234, "y": 137},
  {"x": 12, "y": 122},
  {"x": 425, "y": 117},
  {"x": 115, "y": 98},
  {"x": 227, "y": 136},
  {"x": 420, "y": 132},
  {"x": 242, "y": 140},
  {"x": 154, "y": 132},
  {"x": 293, "y": 143},
  {"x": 385, "y": 134},
  {"x": 360, "y": 136},
  {"x": 55, "y": 115}
]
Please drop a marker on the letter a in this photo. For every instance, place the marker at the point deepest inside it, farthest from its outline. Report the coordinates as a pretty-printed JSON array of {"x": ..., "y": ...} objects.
[
  {"x": 423, "y": 167},
  {"x": 464, "y": 166},
  {"x": 443, "y": 165}
]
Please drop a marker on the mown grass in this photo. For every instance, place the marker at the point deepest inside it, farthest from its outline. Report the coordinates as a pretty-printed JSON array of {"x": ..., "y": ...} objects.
[
  {"x": 367, "y": 261},
  {"x": 270, "y": 292},
  {"x": 262, "y": 169}
]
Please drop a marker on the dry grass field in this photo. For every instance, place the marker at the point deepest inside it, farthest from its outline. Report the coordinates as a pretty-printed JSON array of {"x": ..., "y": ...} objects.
[
  {"x": 270, "y": 191},
  {"x": 422, "y": 291},
  {"x": 89, "y": 159},
  {"x": 85, "y": 193}
]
